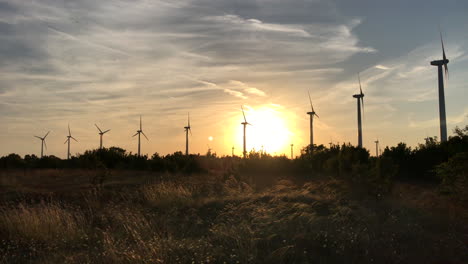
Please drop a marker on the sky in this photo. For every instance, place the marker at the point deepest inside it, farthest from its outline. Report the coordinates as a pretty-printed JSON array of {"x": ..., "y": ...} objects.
[{"x": 86, "y": 62}]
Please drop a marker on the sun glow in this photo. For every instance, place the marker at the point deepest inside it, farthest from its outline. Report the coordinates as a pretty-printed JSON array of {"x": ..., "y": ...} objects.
[{"x": 269, "y": 130}]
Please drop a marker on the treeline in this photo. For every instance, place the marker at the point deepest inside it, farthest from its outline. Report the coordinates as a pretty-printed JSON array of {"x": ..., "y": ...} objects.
[
  {"x": 446, "y": 162},
  {"x": 401, "y": 161},
  {"x": 107, "y": 158},
  {"x": 439, "y": 162}
]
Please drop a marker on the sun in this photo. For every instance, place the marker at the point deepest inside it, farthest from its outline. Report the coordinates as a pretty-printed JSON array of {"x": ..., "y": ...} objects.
[{"x": 269, "y": 129}]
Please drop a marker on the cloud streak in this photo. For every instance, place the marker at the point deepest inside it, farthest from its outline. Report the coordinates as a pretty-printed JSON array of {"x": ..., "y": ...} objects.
[{"x": 78, "y": 61}]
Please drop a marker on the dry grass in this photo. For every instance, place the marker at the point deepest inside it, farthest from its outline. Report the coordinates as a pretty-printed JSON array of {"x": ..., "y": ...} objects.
[
  {"x": 42, "y": 222},
  {"x": 215, "y": 219},
  {"x": 166, "y": 194}
]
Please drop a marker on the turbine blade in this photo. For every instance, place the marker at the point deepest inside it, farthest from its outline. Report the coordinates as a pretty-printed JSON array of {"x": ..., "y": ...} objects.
[
  {"x": 359, "y": 78},
  {"x": 317, "y": 115},
  {"x": 144, "y": 135},
  {"x": 446, "y": 71},
  {"x": 443, "y": 48},
  {"x": 189, "y": 119},
  {"x": 362, "y": 101},
  {"x": 190, "y": 130},
  {"x": 66, "y": 141},
  {"x": 69, "y": 131},
  {"x": 98, "y": 128},
  {"x": 135, "y": 134},
  {"x": 45, "y": 145},
  {"x": 74, "y": 139},
  {"x": 106, "y": 131},
  {"x": 245, "y": 119},
  {"x": 310, "y": 100},
  {"x": 46, "y": 134},
  {"x": 38, "y": 137},
  {"x": 444, "y": 57},
  {"x": 140, "y": 124}
]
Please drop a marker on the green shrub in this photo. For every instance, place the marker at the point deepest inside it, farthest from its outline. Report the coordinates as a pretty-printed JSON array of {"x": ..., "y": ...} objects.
[{"x": 454, "y": 176}]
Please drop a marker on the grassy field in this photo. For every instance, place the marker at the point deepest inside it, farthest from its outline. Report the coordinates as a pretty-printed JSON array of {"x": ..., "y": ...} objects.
[{"x": 88, "y": 216}]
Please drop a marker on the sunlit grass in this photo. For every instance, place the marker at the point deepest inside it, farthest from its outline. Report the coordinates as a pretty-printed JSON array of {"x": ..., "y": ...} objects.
[
  {"x": 213, "y": 219},
  {"x": 42, "y": 222}
]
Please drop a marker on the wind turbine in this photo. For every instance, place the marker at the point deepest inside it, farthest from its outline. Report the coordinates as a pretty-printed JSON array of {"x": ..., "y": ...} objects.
[
  {"x": 439, "y": 64},
  {"x": 139, "y": 132},
  {"x": 376, "y": 148},
  {"x": 245, "y": 123},
  {"x": 101, "y": 133},
  {"x": 360, "y": 98},
  {"x": 311, "y": 114},
  {"x": 292, "y": 151},
  {"x": 68, "y": 141},
  {"x": 187, "y": 129},
  {"x": 43, "y": 143},
  {"x": 233, "y": 151}
]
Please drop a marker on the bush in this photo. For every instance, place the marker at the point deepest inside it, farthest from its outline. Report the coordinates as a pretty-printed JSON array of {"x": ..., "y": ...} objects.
[{"x": 454, "y": 176}]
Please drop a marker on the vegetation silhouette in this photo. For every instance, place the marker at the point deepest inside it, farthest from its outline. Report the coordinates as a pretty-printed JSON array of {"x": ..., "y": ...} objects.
[
  {"x": 426, "y": 162},
  {"x": 329, "y": 205}
]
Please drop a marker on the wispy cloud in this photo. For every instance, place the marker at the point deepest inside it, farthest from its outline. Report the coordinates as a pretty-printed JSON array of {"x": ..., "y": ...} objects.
[
  {"x": 381, "y": 67},
  {"x": 235, "y": 93},
  {"x": 246, "y": 88},
  {"x": 84, "y": 60}
]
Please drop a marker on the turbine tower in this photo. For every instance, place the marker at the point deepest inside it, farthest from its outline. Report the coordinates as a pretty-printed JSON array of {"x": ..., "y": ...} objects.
[
  {"x": 439, "y": 64},
  {"x": 376, "y": 148},
  {"x": 245, "y": 123},
  {"x": 292, "y": 151},
  {"x": 360, "y": 98},
  {"x": 139, "y": 132},
  {"x": 69, "y": 137},
  {"x": 43, "y": 143},
  {"x": 311, "y": 114},
  {"x": 101, "y": 133},
  {"x": 187, "y": 129},
  {"x": 233, "y": 151}
]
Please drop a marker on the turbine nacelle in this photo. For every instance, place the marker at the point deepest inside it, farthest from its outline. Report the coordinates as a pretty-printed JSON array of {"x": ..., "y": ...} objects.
[
  {"x": 188, "y": 127},
  {"x": 312, "y": 114},
  {"x": 100, "y": 131},
  {"x": 69, "y": 136},
  {"x": 43, "y": 138},
  {"x": 440, "y": 62},
  {"x": 140, "y": 131}
]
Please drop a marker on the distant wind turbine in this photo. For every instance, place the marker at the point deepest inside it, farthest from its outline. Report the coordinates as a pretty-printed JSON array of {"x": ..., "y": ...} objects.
[
  {"x": 376, "y": 147},
  {"x": 360, "y": 98},
  {"x": 442, "y": 116},
  {"x": 139, "y": 132},
  {"x": 233, "y": 151},
  {"x": 292, "y": 151},
  {"x": 245, "y": 123},
  {"x": 311, "y": 114},
  {"x": 101, "y": 133},
  {"x": 69, "y": 137},
  {"x": 187, "y": 129},
  {"x": 43, "y": 143}
]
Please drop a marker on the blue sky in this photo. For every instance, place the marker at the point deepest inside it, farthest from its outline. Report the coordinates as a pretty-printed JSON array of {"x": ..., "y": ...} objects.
[{"x": 107, "y": 62}]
